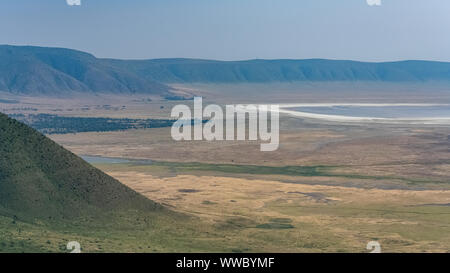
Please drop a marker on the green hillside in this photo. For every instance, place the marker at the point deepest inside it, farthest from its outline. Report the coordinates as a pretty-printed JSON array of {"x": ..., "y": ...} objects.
[
  {"x": 49, "y": 196},
  {"x": 40, "y": 179}
]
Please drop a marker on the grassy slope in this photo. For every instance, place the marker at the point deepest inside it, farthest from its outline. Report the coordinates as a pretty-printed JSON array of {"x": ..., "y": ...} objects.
[
  {"x": 49, "y": 196},
  {"x": 40, "y": 179}
]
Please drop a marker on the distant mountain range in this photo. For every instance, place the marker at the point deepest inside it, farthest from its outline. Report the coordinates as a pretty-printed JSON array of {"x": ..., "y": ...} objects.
[
  {"x": 39, "y": 70},
  {"x": 27, "y": 69},
  {"x": 260, "y": 71}
]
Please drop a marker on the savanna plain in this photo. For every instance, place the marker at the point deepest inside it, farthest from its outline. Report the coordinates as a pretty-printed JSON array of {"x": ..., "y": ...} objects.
[{"x": 330, "y": 187}]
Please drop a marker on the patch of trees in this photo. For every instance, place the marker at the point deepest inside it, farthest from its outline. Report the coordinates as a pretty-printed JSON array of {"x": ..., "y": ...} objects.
[{"x": 54, "y": 124}]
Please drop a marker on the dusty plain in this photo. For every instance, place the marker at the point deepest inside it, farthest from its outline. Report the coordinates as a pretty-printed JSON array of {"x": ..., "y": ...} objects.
[{"x": 331, "y": 186}]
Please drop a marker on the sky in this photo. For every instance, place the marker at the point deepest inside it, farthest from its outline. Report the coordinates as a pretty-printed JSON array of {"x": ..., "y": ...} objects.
[{"x": 365, "y": 30}]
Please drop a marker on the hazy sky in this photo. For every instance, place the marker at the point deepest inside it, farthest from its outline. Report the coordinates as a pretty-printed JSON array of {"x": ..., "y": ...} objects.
[{"x": 234, "y": 29}]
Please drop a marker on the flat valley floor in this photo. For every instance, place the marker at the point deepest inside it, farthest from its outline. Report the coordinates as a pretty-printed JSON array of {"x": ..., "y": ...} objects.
[{"x": 330, "y": 187}]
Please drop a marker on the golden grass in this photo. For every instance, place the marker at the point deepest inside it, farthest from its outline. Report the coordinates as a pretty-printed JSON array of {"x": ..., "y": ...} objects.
[{"x": 402, "y": 220}]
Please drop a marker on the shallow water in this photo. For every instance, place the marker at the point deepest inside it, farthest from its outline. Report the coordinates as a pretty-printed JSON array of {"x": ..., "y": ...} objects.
[
  {"x": 407, "y": 112},
  {"x": 112, "y": 160}
]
